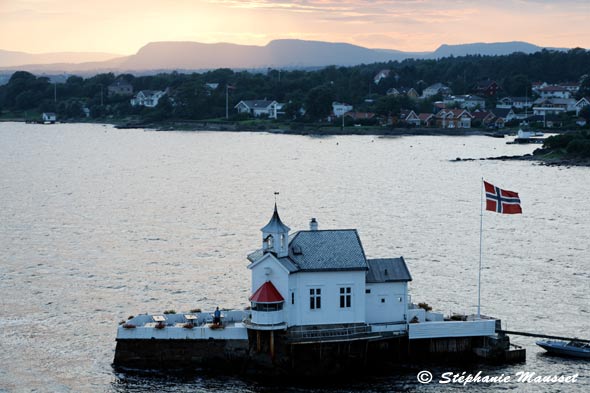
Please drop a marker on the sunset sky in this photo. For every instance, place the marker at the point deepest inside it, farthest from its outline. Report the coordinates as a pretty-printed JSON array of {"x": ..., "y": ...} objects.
[{"x": 123, "y": 26}]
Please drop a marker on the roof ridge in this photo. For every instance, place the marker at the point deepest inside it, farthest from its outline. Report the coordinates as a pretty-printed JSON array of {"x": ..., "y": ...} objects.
[{"x": 326, "y": 230}]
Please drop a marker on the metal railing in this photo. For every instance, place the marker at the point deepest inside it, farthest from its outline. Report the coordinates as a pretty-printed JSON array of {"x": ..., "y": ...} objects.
[{"x": 301, "y": 334}]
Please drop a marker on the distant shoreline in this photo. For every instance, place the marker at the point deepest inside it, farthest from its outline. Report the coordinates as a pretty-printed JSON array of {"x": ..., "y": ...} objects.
[
  {"x": 310, "y": 129},
  {"x": 299, "y": 129},
  {"x": 546, "y": 160}
]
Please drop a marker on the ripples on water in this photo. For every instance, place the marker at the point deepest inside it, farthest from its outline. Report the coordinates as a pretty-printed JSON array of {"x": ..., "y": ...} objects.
[{"x": 98, "y": 224}]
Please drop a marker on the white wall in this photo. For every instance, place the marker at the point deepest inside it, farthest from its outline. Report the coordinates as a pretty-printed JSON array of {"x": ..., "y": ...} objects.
[
  {"x": 485, "y": 327},
  {"x": 330, "y": 311},
  {"x": 556, "y": 94},
  {"x": 341, "y": 109},
  {"x": 391, "y": 309},
  {"x": 269, "y": 269}
]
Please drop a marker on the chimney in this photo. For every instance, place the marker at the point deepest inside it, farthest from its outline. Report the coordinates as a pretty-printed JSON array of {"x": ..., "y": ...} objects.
[{"x": 313, "y": 225}]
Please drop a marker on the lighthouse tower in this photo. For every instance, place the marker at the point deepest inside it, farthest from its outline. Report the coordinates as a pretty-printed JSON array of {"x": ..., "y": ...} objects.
[{"x": 275, "y": 236}]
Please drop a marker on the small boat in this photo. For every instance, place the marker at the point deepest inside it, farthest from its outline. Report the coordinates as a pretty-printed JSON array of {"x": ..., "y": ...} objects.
[{"x": 573, "y": 348}]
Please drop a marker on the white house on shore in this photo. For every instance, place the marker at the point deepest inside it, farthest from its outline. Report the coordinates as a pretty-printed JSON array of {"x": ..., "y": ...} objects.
[
  {"x": 259, "y": 108},
  {"x": 467, "y": 101},
  {"x": 148, "y": 98},
  {"x": 322, "y": 277},
  {"x": 49, "y": 117},
  {"x": 339, "y": 109}
]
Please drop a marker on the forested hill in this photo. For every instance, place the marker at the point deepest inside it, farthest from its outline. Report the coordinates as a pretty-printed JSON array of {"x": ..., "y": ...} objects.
[{"x": 192, "y": 99}]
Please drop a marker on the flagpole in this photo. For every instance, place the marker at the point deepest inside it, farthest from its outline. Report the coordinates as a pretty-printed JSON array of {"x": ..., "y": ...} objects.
[{"x": 480, "y": 253}]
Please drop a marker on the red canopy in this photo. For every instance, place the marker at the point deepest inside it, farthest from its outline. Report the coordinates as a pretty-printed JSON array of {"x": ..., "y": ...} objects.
[{"x": 267, "y": 293}]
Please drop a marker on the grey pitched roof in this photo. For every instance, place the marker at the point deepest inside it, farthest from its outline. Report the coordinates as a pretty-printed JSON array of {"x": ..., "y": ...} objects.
[
  {"x": 256, "y": 255},
  {"x": 388, "y": 270},
  {"x": 474, "y": 98},
  {"x": 327, "y": 250},
  {"x": 501, "y": 112},
  {"x": 257, "y": 103},
  {"x": 288, "y": 264}
]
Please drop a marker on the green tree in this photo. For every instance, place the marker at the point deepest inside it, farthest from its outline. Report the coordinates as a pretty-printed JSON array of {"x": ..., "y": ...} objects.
[
  {"x": 318, "y": 103},
  {"x": 518, "y": 85}
]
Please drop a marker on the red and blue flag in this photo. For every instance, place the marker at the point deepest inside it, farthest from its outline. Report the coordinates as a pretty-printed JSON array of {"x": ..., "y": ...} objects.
[{"x": 501, "y": 201}]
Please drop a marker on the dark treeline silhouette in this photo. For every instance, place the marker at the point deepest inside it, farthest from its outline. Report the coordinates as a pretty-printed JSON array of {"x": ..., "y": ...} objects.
[
  {"x": 190, "y": 98},
  {"x": 574, "y": 144}
]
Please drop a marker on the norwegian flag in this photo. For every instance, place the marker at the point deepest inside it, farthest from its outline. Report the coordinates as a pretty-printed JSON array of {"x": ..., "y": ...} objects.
[{"x": 501, "y": 201}]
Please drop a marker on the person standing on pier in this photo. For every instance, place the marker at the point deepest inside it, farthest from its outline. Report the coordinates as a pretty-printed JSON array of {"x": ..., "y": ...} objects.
[{"x": 217, "y": 317}]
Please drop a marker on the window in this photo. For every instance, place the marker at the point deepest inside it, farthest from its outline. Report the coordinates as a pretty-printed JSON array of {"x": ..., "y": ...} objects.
[
  {"x": 367, "y": 291},
  {"x": 345, "y": 297},
  {"x": 292, "y": 297},
  {"x": 315, "y": 298},
  {"x": 267, "y": 307}
]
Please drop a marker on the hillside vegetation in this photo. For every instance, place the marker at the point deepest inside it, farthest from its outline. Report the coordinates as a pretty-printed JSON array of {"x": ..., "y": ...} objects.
[{"x": 189, "y": 98}]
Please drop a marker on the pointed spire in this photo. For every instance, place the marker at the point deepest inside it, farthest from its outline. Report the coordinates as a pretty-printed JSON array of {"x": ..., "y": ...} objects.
[{"x": 275, "y": 225}]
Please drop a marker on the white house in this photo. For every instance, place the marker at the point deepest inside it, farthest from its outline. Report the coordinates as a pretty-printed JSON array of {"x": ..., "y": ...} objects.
[
  {"x": 506, "y": 114},
  {"x": 410, "y": 117},
  {"x": 340, "y": 109},
  {"x": 259, "y": 108},
  {"x": 581, "y": 103},
  {"x": 515, "y": 102},
  {"x": 536, "y": 86},
  {"x": 454, "y": 118},
  {"x": 466, "y": 101},
  {"x": 548, "y": 110},
  {"x": 49, "y": 117},
  {"x": 322, "y": 277},
  {"x": 472, "y": 102},
  {"x": 555, "y": 92},
  {"x": 554, "y": 105},
  {"x": 435, "y": 89},
  {"x": 381, "y": 75},
  {"x": 148, "y": 98}
]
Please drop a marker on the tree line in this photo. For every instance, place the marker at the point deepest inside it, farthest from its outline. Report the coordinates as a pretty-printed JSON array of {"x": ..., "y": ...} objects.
[{"x": 314, "y": 90}]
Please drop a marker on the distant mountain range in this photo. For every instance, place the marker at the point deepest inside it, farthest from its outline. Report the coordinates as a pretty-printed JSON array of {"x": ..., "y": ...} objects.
[
  {"x": 14, "y": 59},
  {"x": 292, "y": 54}
]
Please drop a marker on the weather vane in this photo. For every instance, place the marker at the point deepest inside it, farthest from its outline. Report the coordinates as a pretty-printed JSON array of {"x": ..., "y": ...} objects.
[{"x": 276, "y": 193}]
